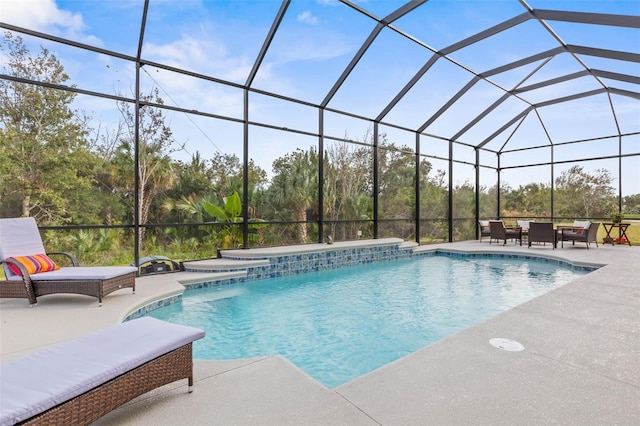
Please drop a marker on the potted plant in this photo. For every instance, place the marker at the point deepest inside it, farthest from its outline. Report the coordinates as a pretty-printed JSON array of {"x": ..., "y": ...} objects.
[{"x": 616, "y": 217}]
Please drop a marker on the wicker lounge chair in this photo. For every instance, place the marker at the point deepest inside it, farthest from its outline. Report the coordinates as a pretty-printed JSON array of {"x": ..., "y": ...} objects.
[
  {"x": 20, "y": 237},
  {"x": 542, "y": 232},
  {"x": 110, "y": 367},
  {"x": 580, "y": 231}
]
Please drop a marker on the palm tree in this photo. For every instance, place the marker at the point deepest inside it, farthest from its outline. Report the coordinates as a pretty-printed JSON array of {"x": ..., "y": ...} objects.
[
  {"x": 295, "y": 186},
  {"x": 155, "y": 166}
]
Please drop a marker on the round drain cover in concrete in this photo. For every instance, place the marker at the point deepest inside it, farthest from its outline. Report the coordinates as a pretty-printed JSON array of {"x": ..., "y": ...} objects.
[{"x": 506, "y": 344}]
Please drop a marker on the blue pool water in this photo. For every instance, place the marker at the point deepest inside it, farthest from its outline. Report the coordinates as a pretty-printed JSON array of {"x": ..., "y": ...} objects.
[{"x": 337, "y": 325}]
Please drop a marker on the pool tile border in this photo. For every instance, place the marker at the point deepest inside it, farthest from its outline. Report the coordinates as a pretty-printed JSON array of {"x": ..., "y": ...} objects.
[
  {"x": 161, "y": 303},
  {"x": 292, "y": 264}
]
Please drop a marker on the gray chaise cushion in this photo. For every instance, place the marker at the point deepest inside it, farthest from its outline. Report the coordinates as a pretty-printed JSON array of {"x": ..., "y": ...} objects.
[
  {"x": 81, "y": 273},
  {"x": 37, "y": 382}
]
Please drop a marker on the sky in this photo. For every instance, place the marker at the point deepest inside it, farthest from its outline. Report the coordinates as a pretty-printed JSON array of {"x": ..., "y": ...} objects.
[{"x": 316, "y": 42}]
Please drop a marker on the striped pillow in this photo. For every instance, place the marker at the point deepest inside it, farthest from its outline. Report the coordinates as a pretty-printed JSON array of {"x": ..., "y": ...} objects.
[{"x": 34, "y": 264}]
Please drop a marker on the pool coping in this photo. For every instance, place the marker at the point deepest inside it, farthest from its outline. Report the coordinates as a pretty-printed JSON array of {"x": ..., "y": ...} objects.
[{"x": 587, "y": 266}]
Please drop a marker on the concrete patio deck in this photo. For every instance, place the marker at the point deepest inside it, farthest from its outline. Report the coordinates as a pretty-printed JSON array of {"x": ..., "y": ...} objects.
[{"x": 581, "y": 363}]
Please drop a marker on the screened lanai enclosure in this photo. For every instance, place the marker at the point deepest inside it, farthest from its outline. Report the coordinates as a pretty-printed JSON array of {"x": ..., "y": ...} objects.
[{"x": 180, "y": 127}]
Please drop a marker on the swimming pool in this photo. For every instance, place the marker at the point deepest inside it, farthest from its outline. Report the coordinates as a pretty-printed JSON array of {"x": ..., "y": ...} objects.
[{"x": 339, "y": 324}]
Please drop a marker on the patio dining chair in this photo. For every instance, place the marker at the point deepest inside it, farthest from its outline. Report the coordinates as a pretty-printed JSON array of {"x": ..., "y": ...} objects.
[
  {"x": 500, "y": 232},
  {"x": 31, "y": 272},
  {"x": 542, "y": 232}
]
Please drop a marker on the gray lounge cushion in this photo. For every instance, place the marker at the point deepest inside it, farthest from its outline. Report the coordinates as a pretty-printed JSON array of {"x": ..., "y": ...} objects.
[
  {"x": 81, "y": 273},
  {"x": 40, "y": 381}
]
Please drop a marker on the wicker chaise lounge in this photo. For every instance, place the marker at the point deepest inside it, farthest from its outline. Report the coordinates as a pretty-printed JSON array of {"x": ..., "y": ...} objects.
[
  {"x": 19, "y": 237},
  {"x": 77, "y": 382}
]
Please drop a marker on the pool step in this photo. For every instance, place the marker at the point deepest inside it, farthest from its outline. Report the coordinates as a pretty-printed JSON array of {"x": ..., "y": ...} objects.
[
  {"x": 408, "y": 245},
  {"x": 187, "y": 277},
  {"x": 223, "y": 265}
]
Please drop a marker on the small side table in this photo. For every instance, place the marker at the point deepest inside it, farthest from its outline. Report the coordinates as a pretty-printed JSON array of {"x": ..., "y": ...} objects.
[{"x": 622, "y": 233}]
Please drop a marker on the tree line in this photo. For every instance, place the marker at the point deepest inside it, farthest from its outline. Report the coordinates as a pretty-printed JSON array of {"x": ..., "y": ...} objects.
[{"x": 59, "y": 166}]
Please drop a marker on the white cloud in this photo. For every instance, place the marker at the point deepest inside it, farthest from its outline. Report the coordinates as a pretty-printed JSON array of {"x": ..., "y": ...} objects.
[
  {"x": 307, "y": 17},
  {"x": 40, "y": 15},
  {"x": 201, "y": 55},
  {"x": 46, "y": 16},
  {"x": 187, "y": 50}
]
